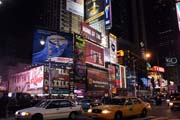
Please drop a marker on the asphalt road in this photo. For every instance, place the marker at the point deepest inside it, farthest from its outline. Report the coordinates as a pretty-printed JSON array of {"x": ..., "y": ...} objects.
[{"x": 158, "y": 113}]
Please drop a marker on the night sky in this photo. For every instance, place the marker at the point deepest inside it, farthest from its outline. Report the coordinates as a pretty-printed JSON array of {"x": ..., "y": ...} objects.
[{"x": 17, "y": 19}]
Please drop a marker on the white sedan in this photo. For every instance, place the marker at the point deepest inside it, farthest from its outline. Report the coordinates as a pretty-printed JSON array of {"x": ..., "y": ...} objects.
[{"x": 50, "y": 109}]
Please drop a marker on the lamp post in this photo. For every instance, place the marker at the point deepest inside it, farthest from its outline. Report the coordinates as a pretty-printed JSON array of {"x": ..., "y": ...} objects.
[
  {"x": 42, "y": 42},
  {"x": 49, "y": 60},
  {"x": 147, "y": 56}
]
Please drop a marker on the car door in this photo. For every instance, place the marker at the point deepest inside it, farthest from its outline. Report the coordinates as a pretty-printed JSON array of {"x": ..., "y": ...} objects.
[
  {"x": 66, "y": 107},
  {"x": 128, "y": 108},
  {"x": 137, "y": 106},
  {"x": 52, "y": 110}
]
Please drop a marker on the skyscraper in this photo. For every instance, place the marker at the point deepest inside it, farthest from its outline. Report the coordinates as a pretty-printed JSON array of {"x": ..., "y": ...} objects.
[{"x": 53, "y": 15}]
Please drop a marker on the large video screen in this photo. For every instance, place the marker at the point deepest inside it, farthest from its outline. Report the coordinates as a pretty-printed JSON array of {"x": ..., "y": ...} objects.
[{"x": 49, "y": 44}]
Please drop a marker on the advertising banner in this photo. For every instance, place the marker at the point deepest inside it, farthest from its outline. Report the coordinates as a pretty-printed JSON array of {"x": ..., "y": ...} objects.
[
  {"x": 108, "y": 14},
  {"x": 79, "y": 58},
  {"x": 94, "y": 54},
  {"x": 171, "y": 61},
  {"x": 75, "y": 6},
  {"x": 49, "y": 44},
  {"x": 106, "y": 55},
  {"x": 36, "y": 77},
  {"x": 94, "y": 10},
  {"x": 118, "y": 77},
  {"x": 97, "y": 80},
  {"x": 112, "y": 74},
  {"x": 122, "y": 76},
  {"x": 59, "y": 80},
  {"x": 90, "y": 33},
  {"x": 113, "y": 48}
]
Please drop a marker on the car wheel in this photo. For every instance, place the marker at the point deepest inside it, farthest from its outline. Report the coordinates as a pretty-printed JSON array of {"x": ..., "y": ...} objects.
[
  {"x": 144, "y": 113},
  {"x": 172, "y": 108},
  {"x": 37, "y": 117},
  {"x": 118, "y": 116},
  {"x": 73, "y": 116}
]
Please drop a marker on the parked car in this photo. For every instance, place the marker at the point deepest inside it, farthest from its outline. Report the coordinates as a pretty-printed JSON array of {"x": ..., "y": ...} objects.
[
  {"x": 175, "y": 103},
  {"x": 171, "y": 98},
  {"x": 50, "y": 109},
  {"x": 88, "y": 103},
  {"x": 120, "y": 107}
]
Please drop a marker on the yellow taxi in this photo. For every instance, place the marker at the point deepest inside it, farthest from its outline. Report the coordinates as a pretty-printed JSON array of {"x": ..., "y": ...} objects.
[{"x": 120, "y": 107}]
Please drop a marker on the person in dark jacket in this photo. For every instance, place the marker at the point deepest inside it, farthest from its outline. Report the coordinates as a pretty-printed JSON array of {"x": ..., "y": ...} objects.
[{"x": 4, "y": 100}]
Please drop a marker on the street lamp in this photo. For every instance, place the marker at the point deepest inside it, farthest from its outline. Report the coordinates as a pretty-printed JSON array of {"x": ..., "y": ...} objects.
[{"x": 147, "y": 55}]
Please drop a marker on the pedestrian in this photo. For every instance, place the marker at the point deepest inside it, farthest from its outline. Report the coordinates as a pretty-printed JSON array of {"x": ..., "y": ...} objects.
[{"x": 4, "y": 104}]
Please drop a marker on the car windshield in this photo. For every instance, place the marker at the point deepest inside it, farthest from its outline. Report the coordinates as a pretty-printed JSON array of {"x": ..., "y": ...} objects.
[
  {"x": 42, "y": 103},
  {"x": 119, "y": 101}
]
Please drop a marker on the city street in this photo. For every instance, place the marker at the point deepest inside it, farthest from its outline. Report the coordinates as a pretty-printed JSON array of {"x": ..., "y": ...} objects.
[
  {"x": 161, "y": 113},
  {"x": 158, "y": 113}
]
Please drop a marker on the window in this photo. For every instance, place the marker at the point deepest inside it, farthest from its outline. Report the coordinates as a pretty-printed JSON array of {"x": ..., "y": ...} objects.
[
  {"x": 136, "y": 101},
  {"x": 65, "y": 104},
  {"x": 128, "y": 101},
  {"x": 53, "y": 104}
]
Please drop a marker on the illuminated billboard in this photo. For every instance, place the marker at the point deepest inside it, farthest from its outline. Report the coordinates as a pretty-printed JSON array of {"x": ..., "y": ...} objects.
[
  {"x": 178, "y": 13},
  {"x": 122, "y": 76},
  {"x": 90, "y": 33},
  {"x": 59, "y": 80},
  {"x": 49, "y": 44},
  {"x": 98, "y": 14},
  {"x": 79, "y": 58},
  {"x": 94, "y": 9},
  {"x": 113, "y": 48},
  {"x": 108, "y": 14},
  {"x": 75, "y": 6},
  {"x": 117, "y": 75},
  {"x": 94, "y": 54},
  {"x": 97, "y": 79},
  {"x": 36, "y": 77},
  {"x": 94, "y": 14}
]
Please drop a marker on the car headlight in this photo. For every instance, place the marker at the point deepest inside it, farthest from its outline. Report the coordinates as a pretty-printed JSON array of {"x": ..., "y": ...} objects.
[
  {"x": 171, "y": 104},
  {"x": 25, "y": 114},
  {"x": 106, "y": 111},
  {"x": 17, "y": 113},
  {"x": 22, "y": 113},
  {"x": 89, "y": 110},
  {"x": 167, "y": 100}
]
